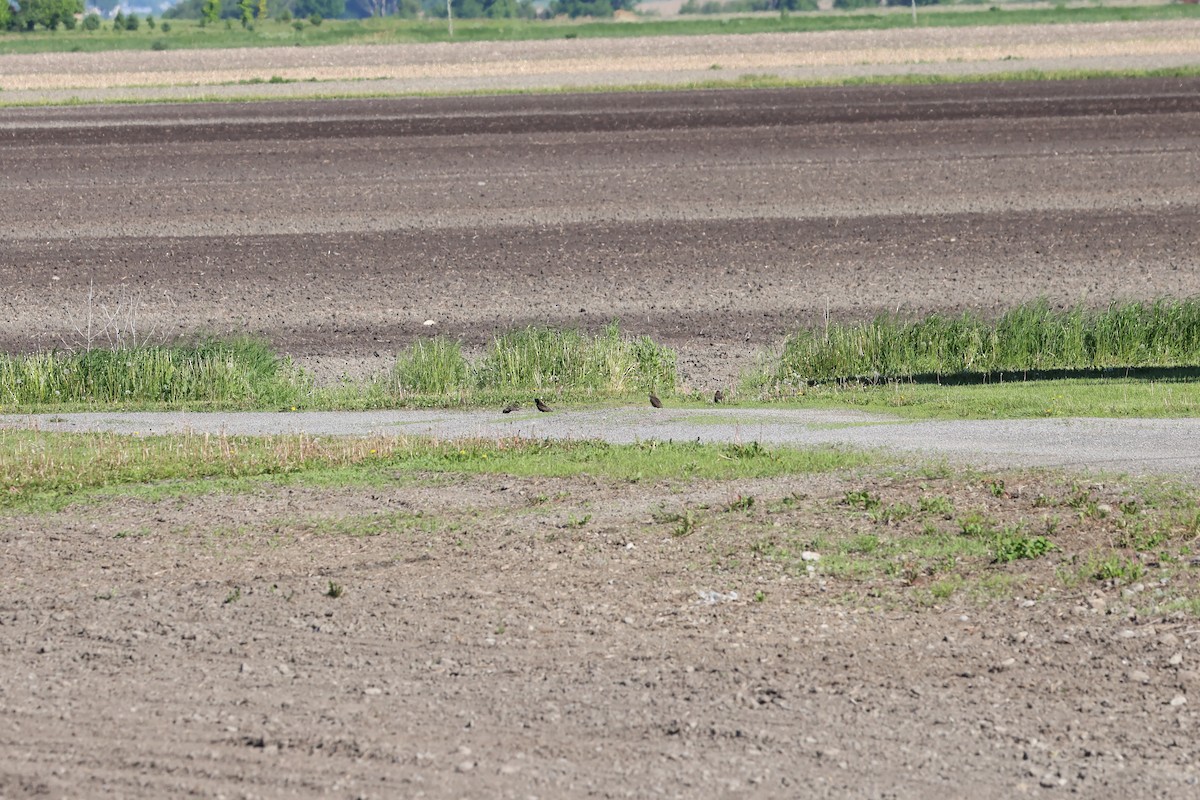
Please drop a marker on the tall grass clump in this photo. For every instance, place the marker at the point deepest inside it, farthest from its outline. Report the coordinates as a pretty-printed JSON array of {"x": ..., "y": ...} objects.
[
  {"x": 239, "y": 372},
  {"x": 542, "y": 359},
  {"x": 432, "y": 366},
  {"x": 1030, "y": 338}
]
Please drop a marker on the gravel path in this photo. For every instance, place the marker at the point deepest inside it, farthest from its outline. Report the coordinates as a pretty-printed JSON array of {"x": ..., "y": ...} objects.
[{"x": 1137, "y": 446}]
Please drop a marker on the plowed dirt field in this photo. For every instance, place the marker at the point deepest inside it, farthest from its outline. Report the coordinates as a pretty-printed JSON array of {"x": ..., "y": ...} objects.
[{"x": 504, "y": 637}]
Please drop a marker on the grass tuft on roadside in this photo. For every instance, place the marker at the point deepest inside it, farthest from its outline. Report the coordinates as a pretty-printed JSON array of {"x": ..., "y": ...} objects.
[
  {"x": 535, "y": 360},
  {"x": 239, "y": 372},
  {"x": 245, "y": 373}
]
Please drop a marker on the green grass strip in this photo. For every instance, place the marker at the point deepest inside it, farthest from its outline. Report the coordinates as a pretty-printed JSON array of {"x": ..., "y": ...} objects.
[
  {"x": 244, "y": 373},
  {"x": 536, "y": 360},
  {"x": 745, "y": 81},
  {"x": 1014, "y": 399},
  {"x": 41, "y": 471},
  {"x": 1030, "y": 338},
  {"x": 235, "y": 372}
]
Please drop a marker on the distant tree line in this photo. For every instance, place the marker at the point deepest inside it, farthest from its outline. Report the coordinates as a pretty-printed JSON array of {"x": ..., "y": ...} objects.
[
  {"x": 737, "y": 6},
  {"x": 25, "y": 15},
  {"x": 358, "y": 9},
  {"x": 852, "y": 4}
]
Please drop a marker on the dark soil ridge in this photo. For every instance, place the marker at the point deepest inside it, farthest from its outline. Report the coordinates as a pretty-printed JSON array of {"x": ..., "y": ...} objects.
[{"x": 601, "y": 113}]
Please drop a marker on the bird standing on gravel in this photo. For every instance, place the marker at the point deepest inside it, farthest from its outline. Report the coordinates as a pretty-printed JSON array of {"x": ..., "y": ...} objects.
[
  {"x": 654, "y": 401},
  {"x": 719, "y": 396},
  {"x": 537, "y": 401},
  {"x": 511, "y": 407}
]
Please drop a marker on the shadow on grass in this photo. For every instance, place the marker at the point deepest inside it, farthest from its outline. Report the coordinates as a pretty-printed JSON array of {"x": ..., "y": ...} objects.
[{"x": 1156, "y": 374}]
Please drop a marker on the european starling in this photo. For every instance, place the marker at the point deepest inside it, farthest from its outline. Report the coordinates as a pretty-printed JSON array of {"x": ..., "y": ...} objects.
[
  {"x": 537, "y": 401},
  {"x": 654, "y": 401},
  {"x": 511, "y": 407},
  {"x": 719, "y": 397}
]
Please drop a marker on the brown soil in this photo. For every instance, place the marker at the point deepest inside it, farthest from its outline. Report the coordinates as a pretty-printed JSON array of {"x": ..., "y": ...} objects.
[
  {"x": 496, "y": 647},
  {"x": 716, "y": 222},
  {"x": 515, "y": 638}
]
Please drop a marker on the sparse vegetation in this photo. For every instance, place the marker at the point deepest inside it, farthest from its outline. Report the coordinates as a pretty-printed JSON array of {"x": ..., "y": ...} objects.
[{"x": 46, "y": 470}]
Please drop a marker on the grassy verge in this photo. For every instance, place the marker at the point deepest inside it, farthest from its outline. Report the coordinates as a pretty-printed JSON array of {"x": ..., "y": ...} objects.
[
  {"x": 562, "y": 364},
  {"x": 1133, "y": 359},
  {"x": 1118, "y": 396},
  {"x": 41, "y": 470},
  {"x": 268, "y": 33},
  {"x": 241, "y": 372},
  {"x": 1031, "y": 338},
  {"x": 532, "y": 361}
]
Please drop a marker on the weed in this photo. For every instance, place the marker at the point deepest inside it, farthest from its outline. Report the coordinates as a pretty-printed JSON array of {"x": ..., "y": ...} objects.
[
  {"x": 792, "y": 501},
  {"x": 685, "y": 521},
  {"x": 741, "y": 503},
  {"x": 860, "y": 498},
  {"x": 996, "y": 487},
  {"x": 687, "y": 525},
  {"x": 760, "y": 596},
  {"x": 945, "y": 588},
  {"x": 1117, "y": 568},
  {"x": 864, "y": 544},
  {"x": 886, "y": 515},
  {"x": 1141, "y": 537},
  {"x": 938, "y": 505},
  {"x": 335, "y": 590},
  {"x": 233, "y": 596},
  {"x": 976, "y": 524},
  {"x": 1011, "y": 545}
]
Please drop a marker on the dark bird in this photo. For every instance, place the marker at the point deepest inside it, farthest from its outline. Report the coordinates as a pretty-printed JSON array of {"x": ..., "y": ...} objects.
[
  {"x": 719, "y": 397},
  {"x": 537, "y": 401},
  {"x": 654, "y": 401},
  {"x": 511, "y": 407}
]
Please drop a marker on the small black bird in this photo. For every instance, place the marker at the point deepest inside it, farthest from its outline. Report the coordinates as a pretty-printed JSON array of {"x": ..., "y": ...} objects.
[
  {"x": 719, "y": 397},
  {"x": 537, "y": 401},
  {"x": 511, "y": 407},
  {"x": 654, "y": 401}
]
